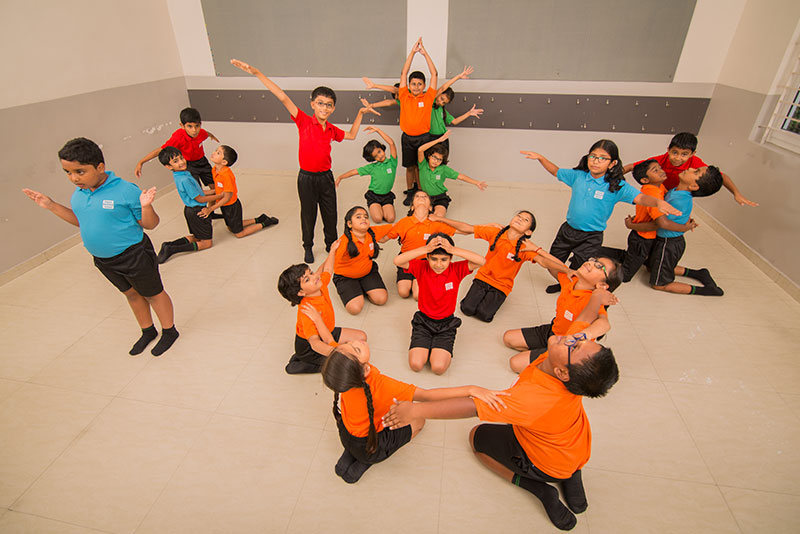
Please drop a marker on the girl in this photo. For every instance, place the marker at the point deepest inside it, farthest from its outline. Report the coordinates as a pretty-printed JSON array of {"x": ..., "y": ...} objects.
[
  {"x": 366, "y": 395},
  {"x": 597, "y": 185},
  {"x": 354, "y": 271},
  {"x": 382, "y": 170},
  {"x": 510, "y": 246},
  {"x": 433, "y": 171},
  {"x": 441, "y": 118}
]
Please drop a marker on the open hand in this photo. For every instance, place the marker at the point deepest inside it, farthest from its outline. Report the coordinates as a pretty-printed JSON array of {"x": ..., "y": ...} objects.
[
  {"x": 492, "y": 398},
  {"x": 244, "y": 66},
  {"x": 738, "y": 197},
  {"x": 466, "y": 72},
  {"x": 147, "y": 197},
  {"x": 482, "y": 186},
  {"x": 475, "y": 112},
  {"x": 42, "y": 200},
  {"x": 399, "y": 415},
  {"x": 310, "y": 311},
  {"x": 606, "y": 297},
  {"x": 530, "y": 155},
  {"x": 368, "y": 83}
]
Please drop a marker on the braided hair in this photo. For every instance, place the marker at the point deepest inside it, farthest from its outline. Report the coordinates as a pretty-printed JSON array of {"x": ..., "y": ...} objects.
[
  {"x": 352, "y": 249},
  {"x": 520, "y": 241},
  {"x": 614, "y": 175}
]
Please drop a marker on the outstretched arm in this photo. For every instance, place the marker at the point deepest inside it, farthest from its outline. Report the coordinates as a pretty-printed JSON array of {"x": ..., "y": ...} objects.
[
  {"x": 421, "y": 150},
  {"x": 51, "y": 205},
  {"x": 402, "y": 413},
  {"x": 407, "y": 64},
  {"x": 341, "y": 177},
  {"x": 269, "y": 84},
  {"x": 431, "y": 67},
  {"x": 385, "y": 137},
  {"x": 138, "y": 170},
  {"x": 480, "y": 185},
  {"x": 327, "y": 266},
  {"x": 212, "y": 136},
  {"x": 667, "y": 224},
  {"x": 548, "y": 165},
  {"x": 492, "y": 398},
  {"x": 473, "y": 112},
  {"x": 737, "y": 195},
  {"x": 653, "y": 202},
  {"x": 544, "y": 258},
  {"x": 357, "y": 123},
  {"x": 463, "y": 75},
  {"x": 388, "y": 88},
  {"x": 461, "y": 227}
]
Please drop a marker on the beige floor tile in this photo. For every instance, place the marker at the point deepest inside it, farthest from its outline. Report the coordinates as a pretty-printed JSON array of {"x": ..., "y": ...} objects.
[
  {"x": 7, "y": 388},
  {"x": 760, "y": 511},
  {"x": 18, "y": 523},
  {"x": 793, "y": 400}
]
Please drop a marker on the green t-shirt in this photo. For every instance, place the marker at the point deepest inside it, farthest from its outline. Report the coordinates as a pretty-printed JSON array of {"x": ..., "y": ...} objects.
[
  {"x": 432, "y": 181},
  {"x": 439, "y": 122},
  {"x": 381, "y": 175}
]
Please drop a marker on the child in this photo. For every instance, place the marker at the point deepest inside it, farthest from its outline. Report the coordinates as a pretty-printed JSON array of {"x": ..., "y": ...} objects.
[
  {"x": 546, "y": 437},
  {"x": 381, "y": 170},
  {"x": 670, "y": 245},
  {"x": 316, "y": 334},
  {"x": 433, "y": 171},
  {"x": 680, "y": 156},
  {"x": 509, "y": 247},
  {"x": 577, "y": 288},
  {"x": 413, "y": 232},
  {"x": 366, "y": 395},
  {"x": 111, "y": 213},
  {"x": 597, "y": 185},
  {"x": 355, "y": 271},
  {"x": 314, "y": 181},
  {"x": 433, "y": 328}
]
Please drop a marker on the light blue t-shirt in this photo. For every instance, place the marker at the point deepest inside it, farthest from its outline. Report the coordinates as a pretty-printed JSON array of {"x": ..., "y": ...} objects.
[
  {"x": 109, "y": 216},
  {"x": 681, "y": 201},
  {"x": 591, "y": 202},
  {"x": 188, "y": 188}
]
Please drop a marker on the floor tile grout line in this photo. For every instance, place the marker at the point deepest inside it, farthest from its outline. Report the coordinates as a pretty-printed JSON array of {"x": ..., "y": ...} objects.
[
  {"x": 63, "y": 522},
  {"x": 305, "y": 480}
]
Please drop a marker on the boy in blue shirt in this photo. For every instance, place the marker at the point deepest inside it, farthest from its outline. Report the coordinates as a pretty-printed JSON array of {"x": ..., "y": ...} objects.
[{"x": 111, "y": 213}]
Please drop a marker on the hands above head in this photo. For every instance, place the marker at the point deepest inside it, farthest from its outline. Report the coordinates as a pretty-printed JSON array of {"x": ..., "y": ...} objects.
[
  {"x": 244, "y": 66},
  {"x": 466, "y": 72}
]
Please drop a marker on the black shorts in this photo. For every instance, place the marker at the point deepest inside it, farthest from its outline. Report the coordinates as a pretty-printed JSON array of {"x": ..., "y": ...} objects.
[
  {"x": 667, "y": 252},
  {"x": 199, "y": 227},
  {"x": 305, "y": 359},
  {"x": 536, "y": 336},
  {"x": 135, "y": 267},
  {"x": 582, "y": 245},
  {"x": 402, "y": 274},
  {"x": 430, "y": 333},
  {"x": 201, "y": 170},
  {"x": 441, "y": 200},
  {"x": 410, "y": 144},
  {"x": 638, "y": 253},
  {"x": 499, "y": 442},
  {"x": 350, "y": 288},
  {"x": 389, "y": 441},
  {"x": 233, "y": 216},
  {"x": 374, "y": 198},
  {"x": 482, "y": 301}
]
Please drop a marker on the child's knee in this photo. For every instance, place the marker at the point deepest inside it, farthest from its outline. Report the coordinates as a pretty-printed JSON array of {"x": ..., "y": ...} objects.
[
  {"x": 354, "y": 306},
  {"x": 508, "y": 338},
  {"x": 361, "y": 335},
  {"x": 440, "y": 364},
  {"x": 519, "y": 362},
  {"x": 379, "y": 298}
]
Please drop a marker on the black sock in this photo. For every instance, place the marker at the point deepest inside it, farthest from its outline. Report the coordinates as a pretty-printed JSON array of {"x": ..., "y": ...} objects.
[
  {"x": 554, "y": 288},
  {"x": 354, "y": 472},
  {"x": 168, "y": 337},
  {"x": 701, "y": 275},
  {"x": 556, "y": 511},
  {"x": 183, "y": 245},
  {"x": 574, "y": 493},
  {"x": 344, "y": 463},
  {"x": 148, "y": 335},
  {"x": 712, "y": 291}
]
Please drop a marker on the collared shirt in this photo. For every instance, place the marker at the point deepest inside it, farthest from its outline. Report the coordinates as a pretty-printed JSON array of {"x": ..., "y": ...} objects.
[
  {"x": 322, "y": 303},
  {"x": 188, "y": 188},
  {"x": 415, "y": 111},
  {"x": 381, "y": 174},
  {"x": 384, "y": 390},
  {"x": 591, "y": 202},
  {"x": 432, "y": 180},
  {"x": 570, "y": 304},
  {"x": 414, "y": 233},
  {"x": 500, "y": 268},
  {"x": 438, "y": 292},
  {"x": 190, "y": 147},
  {"x": 682, "y": 201},
  {"x": 440, "y": 118},
  {"x": 225, "y": 182},
  {"x": 672, "y": 171},
  {"x": 315, "y": 143},
  {"x": 646, "y": 213}
]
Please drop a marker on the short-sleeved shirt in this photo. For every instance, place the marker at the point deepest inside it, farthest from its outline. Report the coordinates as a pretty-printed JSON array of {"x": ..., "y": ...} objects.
[
  {"x": 438, "y": 292},
  {"x": 591, "y": 202},
  {"x": 361, "y": 264},
  {"x": 414, "y": 233},
  {"x": 322, "y": 303},
  {"x": 682, "y": 201},
  {"x": 190, "y": 147},
  {"x": 570, "y": 304},
  {"x": 548, "y": 421},
  {"x": 500, "y": 268},
  {"x": 381, "y": 175},
  {"x": 415, "y": 111},
  {"x": 672, "y": 171},
  {"x": 384, "y": 390},
  {"x": 109, "y": 216},
  {"x": 188, "y": 188},
  {"x": 225, "y": 182},
  {"x": 315, "y": 143},
  {"x": 646, "y": 213},
  {"x": 440, "y": 118},
  {"x": 432, "y": 180}
]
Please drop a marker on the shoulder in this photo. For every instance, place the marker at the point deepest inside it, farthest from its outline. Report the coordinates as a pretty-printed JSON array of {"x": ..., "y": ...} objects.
[
  {"x": 300, "y": 117},
  {"x": 695, "y": 162},
  {"x": 485, "y": 232},
  {"x": 570, "y": 175}
]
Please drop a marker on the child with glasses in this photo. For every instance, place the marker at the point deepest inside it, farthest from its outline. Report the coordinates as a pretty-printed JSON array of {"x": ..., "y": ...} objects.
[{"x": 597, "y": 185}]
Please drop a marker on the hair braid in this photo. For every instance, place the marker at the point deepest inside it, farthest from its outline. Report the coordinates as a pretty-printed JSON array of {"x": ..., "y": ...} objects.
[
  {"x": 497, "y": 237},
  {"x": 375, "y": 247},
  {"x": 372, "y": 436},
  {"x": 352, "y": 249},
  {"x": 337, "y": 415},
  {"x": 519, "y": 245}
]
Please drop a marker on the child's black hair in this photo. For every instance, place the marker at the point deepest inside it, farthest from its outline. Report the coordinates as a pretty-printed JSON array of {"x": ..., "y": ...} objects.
[
  {"x": 229, "y": 155},
  {"x": 614, "y": 174},
  {"x": 190, "y": 115},
  {"x": 520, "y": 240},
  {"x": 167, "y": 153},
  {"x": 441, "y": 149},
  {"x": 439, "y": 251},
  {"x": 640, "y": 170},
  {"x": 352, "y": 249},
  {"x": 709, "y": 183},
  {"x": 411, "y": 208},
  {"x": 594, "y": 376},
  {"x": 370, "y": 147},
  {"x": 450, "y": 94},
  {"x": 416, "y": 75},
  {"x": 684, "y": 141},
  {"x": 324, "y": 91},
  {"x": 342, "y": 373},
  {"x": 84, "y": 151},
  {"x": 614, "y": 278},
  {"x": 289, "y": 283}
]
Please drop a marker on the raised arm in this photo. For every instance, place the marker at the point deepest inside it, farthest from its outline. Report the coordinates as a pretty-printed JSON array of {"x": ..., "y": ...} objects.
[
  {"x": 461, "y": 227},
  {"x": 475, "y": 260},
  {"x": 421, "y": 150},
  {"x": 737, "y": 195},
  {"x": 653, "y": 202},
  {"x": 149, "y": 216},
  {"x": 356, "y": 123},
  {"x": 407, "y": 64},
  {"x": 269, "y": 84},
  {"x": 51, "y": 205},
  {"x": 548, "y": 165},
  {"x": 463, "y": 75},
  {"x": 138, "y": 171},
  {"x": 385, "y": 137},
  {"x": 341, "y": 177},
  {"x": 598, "y": 325},
  {"x": 628, "y": 168},
  {"x": 480, "y": 185},
  {"x": 327, "y": 265},
  {"x": 212, "y": 136},
  {"x": 431, "y": 67},
  {"x": 388, "y": 88},
  {"x": 473, "y": 112},
  {"x": 402, "y": 260},
  {"x": 544, "y": 258}
]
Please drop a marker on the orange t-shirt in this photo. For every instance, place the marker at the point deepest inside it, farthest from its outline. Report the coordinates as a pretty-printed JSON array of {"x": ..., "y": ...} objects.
[
  {"x": 414, "y": 233},
  {"x": 548, "y": 421},
  {"x": 359, "y": 266},
  {"x": 415, "y": 111},
  {"x": 383, "y": 389},
  {"x": 225, "y": 181},
  {"x": 500, "y": 268},
  {"x": 570, "y": 304},
  {"x": 322, "y": 303},
  {"x": 646, "y": 213}
]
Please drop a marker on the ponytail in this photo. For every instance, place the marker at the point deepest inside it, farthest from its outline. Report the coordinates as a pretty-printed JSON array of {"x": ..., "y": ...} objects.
[
  {"x": 519, "y": 245},
  {"x": 497, "y": 237},
  {"x": 372, "y": 436},
  {"x": 341, "y": 373},
  {"x": 352, "y": 249}
]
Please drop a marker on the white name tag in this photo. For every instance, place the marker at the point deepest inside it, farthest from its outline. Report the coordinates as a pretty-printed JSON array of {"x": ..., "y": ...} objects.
[
  {"x": 420, "y": 104},
  {"x": 388, "y": 171},
  {"x": 219, "y": 184},
  {"x": 438, "y": 176},
  {"x": 510, "y": 256},
  {"x": 425, "y": 237},
  {"x": 448, "y": 286},
  {"x": 568, "y": 315},
  {"x": 108, "y": 204},
  {"x": 599, "y": 195},
  {"x": 371, "y": 246}
]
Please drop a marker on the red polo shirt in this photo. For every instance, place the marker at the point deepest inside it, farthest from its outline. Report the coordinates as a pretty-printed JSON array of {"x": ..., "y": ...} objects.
[
  {"x": 672, "y": 171},
  {"x": 190, "y": 147},
  {"x": 315, "y": 143},
  {"x": 438, "y": 292}
]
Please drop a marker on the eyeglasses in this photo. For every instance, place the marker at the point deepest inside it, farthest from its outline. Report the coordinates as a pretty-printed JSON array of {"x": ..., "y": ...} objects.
[
  {"x": 601, "y": 159},
  {"x": 326, "y": 105},
  {"x": 599, "y": 265},
  {"x": 434, "y": 157},
  {"x": 572, "y": 344}
]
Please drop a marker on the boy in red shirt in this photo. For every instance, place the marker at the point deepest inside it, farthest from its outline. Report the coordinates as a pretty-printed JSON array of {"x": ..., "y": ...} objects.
[{"x": 433, "y": 328}]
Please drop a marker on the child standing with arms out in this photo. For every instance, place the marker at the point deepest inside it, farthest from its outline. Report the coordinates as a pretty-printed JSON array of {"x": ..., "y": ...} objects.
[
  {"x": 315, "y": 184},
  {"x": 433, "y": 328},
  {"x": 111, "y": 213}
]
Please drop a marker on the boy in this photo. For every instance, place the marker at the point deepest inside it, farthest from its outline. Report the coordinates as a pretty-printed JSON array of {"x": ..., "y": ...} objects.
[
  {"x": 194, "y": 200},
  {"x": 111, "y": 213},
  {"x": 434, "y": 325},
  {"x": 680, "y": 156},
  {"x": 547, "y": 437},
  {"x": 670, "y": 244},
  {"x": 316, "y": 334},
  {"x": 577, "y": 288},
  {"x": 315, "y": 184}
]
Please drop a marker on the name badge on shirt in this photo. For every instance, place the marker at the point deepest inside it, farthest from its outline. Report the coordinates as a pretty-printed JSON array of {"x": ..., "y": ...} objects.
[
  {"x": 438, "y": 176},
  {"x": 420, "y": 104},
  {"x": 426, "y": 236},
  {"x": 108, "y": 204},
  {"x": 448, "y": 286},
  {"x": 219, "y": 184},
  {"x": 599, "y": 195},
  {"x": 510, "y": 256},
  {"x": 388, "y": 171},
  {"x": 568, "y": 315},
  {"x": 371, "y": 246}
]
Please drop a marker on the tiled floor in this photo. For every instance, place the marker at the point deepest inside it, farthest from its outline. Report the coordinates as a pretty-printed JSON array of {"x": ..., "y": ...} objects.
[{"x": 700, "y": 435}]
